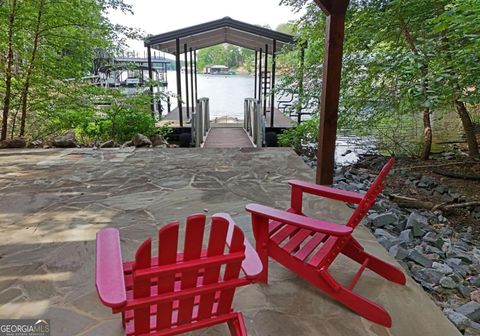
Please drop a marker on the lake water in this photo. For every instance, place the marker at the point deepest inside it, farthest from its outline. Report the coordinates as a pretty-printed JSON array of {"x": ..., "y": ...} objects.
[{"x": 226, "y": 93}]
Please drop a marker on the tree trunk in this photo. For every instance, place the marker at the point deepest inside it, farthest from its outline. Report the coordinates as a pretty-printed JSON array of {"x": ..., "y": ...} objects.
[
  {"x": 31, "y": 66},
  {"x": 8, "y": 71},
  {"x": 427, "y": 125},
  {"x": 467, "y": 127},
  {"x": 427, "y": 134}
]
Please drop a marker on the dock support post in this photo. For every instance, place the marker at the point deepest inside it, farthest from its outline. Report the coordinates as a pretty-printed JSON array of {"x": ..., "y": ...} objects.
[
  {"x": 272, "y": 87},
  {"x": 259, "y": 97},
  {"x": 256, "y": 69},
  {"x": 195, "y": 74},
  {"x": 191, "y": 79},
  {"x": 265, "y": 77},
  {"x": 332, "y": 72},
  {"x": 179, "y": 83},
  {"x": 300, "y": 84},
  {"x": 186, "y": 79},
  {"x": 150, "y": 75}
]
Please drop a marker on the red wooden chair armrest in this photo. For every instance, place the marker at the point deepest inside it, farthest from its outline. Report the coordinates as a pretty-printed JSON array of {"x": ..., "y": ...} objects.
[
  {"x": 300, "y": 221},
  {"x": 109, "y": 277},
  {"x": 251, "y": 265},
  {"x": 328, "y": 192}
]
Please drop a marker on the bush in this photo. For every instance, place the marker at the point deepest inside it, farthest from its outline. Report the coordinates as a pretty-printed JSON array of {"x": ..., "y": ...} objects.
[
  {"x": 101, "y": 115},
  {"x": 301, "y": 136}
]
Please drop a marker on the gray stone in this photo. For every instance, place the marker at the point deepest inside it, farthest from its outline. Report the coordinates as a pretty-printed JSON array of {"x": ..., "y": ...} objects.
[
  {"x": 416, "y": 219},
  {"x": 398, "y": 252},
  {"x": 442, "y": 268},
  {"x": 428, "y": 275},
  {"x": 419, "y": 259},
  {"x": 459, "y": 320},
  {"x": 442, "y": 189},
  {"x": 433, "y": 240},
  {"x": 464, "y": 290},
  {"x": 406, "y": 236},
  {"x": 108, "y": 144},
  {"x": 127, "y": 144},
  {"x": 470, "y": 310},
  {"x": 384, "y": 219},
  {"x": 447, "y": 282},
  {"x": 426, "y": 182},
  {"x": 65, "y": 141},
  {"x": 475, "y": 281},
  {"x": 140, "y": 140},
  {"x": 158, "y": 140},
  {"x": 14, "y": 143},
  {"x": 383, "y": 233},
  {"x": 433, "y": 249}
]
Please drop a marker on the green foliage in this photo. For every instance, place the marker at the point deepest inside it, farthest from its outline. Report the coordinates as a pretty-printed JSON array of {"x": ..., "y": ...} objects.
[
  {"x": 225, "y": 54},
  {"x": 54, "y": 44},
  {"x": 400, "y": 57},
  {"x": 301, "y": 136},
  {"x": 99, "y": 115}
]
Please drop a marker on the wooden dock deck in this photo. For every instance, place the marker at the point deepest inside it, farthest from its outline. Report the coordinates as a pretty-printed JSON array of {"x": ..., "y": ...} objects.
[
  {"x": 280, "y": 120},
  {"x": 227, "y": 137}
]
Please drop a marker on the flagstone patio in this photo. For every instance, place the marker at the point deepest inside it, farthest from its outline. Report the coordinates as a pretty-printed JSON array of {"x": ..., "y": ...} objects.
[{"x": 54, "y": 201}]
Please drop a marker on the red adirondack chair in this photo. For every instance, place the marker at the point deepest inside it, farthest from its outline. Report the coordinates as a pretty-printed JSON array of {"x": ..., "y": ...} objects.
[
  {"x": 308, "y": 246},
  {"x": 177, "y": 292}
]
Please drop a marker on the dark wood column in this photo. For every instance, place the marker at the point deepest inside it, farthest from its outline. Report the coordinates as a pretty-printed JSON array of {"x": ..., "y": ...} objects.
[
  {"x": 150, "y": 75},
  {"x": 185, "y": 52},
  {"x": 332, "y": 71},
  {"x": 179, "y": 82}
]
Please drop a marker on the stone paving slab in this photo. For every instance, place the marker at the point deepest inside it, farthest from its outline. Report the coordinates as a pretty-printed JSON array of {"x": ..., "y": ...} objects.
[{"x": 54, "y": 201}]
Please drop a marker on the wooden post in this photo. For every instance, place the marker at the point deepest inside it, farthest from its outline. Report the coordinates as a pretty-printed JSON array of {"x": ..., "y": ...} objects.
[
  {"x": 150, "y": 75},
  {"x": 255, "y": 79},
  {"x": 185, "y": 52},
  {"x": 272, "y": 86},
  {"x": 179, "y": 83},
  {"x": 332, "y": 71}
]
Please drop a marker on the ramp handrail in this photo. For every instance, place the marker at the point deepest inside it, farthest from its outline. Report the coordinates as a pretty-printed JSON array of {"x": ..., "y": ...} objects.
[
  {"x": 201, "y": 121},
  {"x": 254, "y": 122}
]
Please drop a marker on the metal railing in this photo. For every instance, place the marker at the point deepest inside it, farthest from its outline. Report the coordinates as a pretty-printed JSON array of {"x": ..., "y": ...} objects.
[
  {"x": 201, "y": 121},
  {"x": 254, "y": 121}
]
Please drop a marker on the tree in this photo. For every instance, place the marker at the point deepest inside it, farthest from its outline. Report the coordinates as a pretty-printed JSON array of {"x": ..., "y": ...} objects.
[{"x": 403, "y": 59}]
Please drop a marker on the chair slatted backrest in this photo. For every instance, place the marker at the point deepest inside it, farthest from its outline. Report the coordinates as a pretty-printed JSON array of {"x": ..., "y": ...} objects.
[
  {"x": 371, "y": 195},
  {"x": 177, "y": 273}
]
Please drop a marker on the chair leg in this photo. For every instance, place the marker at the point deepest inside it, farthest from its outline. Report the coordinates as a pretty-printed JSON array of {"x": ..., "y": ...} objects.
[
  {"x": 260, "y": 229},
  {"x": 360, "y": 305},
  {"x": 237, "y": 326},
  {"x": 356, "y": 252}
]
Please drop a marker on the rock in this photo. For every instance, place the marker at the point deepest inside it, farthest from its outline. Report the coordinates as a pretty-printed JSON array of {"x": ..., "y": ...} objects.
[
  {"x": 406, "y": 236},
  {"x": 127, "y": 144},
  {"x": 65, "y": 141},
  {"x": 383, "y": 233},
  {"x": 459, "y": 320},
  {"x": 464, "y": 290},
  {"x": 140, "y": 140},
  {"x": 416, "y": 219},
  {"x": 470, "y": 310},
  {"x": 426, "y": 182},
  {"x": 384, "y": 219},
  {"x": 442, "y": 268},
  {"x": 108, "y": 144},
  {"x": 475, "y": 281},
  {"x": 172, "y": 146},
  {"x": 419, "y": 259},
  {"x": 472, "y": 331},
  {"x": 428, "y": 275},
  {"x": 398, "y": 252},
  {"x": 434, "y": 240},
  {"x": 14, "y": 143},
  {"x": 158, "y": 140},
  {"x": 475, "y": 296},
  {"x": 442, "y": 189},
  {"x": 447, "y": 282},
  {"x": 36, "y": 144}
]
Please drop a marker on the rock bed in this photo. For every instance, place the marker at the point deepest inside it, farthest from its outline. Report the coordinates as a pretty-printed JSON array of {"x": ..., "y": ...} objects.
[{"x": 444, "y": 262}]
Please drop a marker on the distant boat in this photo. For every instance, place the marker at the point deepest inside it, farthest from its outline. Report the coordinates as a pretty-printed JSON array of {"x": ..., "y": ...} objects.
[{"x": 218, "y": 70}]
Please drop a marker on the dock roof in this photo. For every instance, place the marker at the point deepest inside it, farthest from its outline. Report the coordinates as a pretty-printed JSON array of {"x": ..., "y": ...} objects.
[{"x": 225, "y": 30}]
